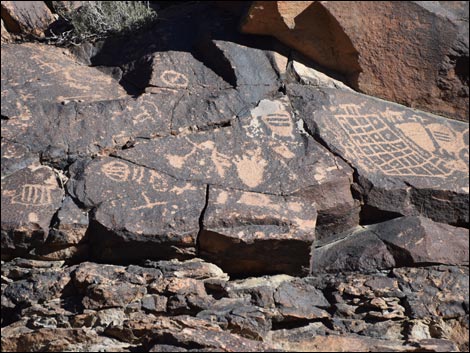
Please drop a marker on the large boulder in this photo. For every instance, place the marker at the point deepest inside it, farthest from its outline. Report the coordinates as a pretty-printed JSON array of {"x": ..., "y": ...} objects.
[
  {"x": 26, "y": 17},
  {"x": 30, "y": 198},
  {"x": 239, "y": 228},
  {"x": 423, "y": 64}
]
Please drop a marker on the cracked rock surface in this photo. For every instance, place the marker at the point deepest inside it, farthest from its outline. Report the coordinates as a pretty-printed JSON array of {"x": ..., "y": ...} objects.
[{"x": 193, "y": 189}]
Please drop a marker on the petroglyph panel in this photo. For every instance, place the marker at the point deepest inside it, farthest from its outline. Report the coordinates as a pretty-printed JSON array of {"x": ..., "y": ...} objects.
[
  {"x": 48, "y": 73},
  {"x": 140, "y": 204},
  {"x": 399, "y": 143},
  {"x": 408, "y": 162},
  {"x": 30, "y": 198},
  {"x": 34, "y": 195}
]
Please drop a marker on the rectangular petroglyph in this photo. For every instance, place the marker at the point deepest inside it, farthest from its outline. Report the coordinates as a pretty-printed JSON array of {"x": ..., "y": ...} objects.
[{"x": 34, "y": 195}]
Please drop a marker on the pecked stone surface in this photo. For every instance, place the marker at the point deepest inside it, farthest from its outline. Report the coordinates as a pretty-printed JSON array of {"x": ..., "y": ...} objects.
[
  {"x": 408, "y": 162},
  {"x": 135, "y": 206},
  {"x": 265, "y": 152},
  {"x": 30, "y": 198},
  {"x": 204, "y": 147}
]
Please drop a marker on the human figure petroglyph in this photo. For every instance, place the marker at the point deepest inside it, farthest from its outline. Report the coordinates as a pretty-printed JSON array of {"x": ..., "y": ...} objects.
[
  {"x": 221, "y": 161},
  {"x": 400, "y": 145},
  {"x": 148, "y": 204},
  {"x": 34, "y": 195},
  {"x": 174, "y": 79}
]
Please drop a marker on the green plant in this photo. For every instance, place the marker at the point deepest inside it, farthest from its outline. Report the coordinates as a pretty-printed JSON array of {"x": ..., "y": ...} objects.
[{"x": 99, "y": 19}]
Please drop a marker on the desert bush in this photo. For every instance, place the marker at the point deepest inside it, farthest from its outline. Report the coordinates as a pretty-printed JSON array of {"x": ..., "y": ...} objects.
[{"x": 98, "y": 19}]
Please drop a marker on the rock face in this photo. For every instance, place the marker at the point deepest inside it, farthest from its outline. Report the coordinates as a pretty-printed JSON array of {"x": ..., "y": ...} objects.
[
  {"x": 30, "y": 197},
  {"x": 166, "y": 306},
  {"x": 26, "y": 17},
  {"x": 247, "y": 223},
  {"x": 187, "y": 188},
  {"x": 405, "y": 241},
  {"x": 407, "y": 162},
  {"x": 427, "y": 45}
]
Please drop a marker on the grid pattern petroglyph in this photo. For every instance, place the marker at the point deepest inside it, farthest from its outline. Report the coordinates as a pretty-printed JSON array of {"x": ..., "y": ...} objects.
[{"x": 394, "y": 144}]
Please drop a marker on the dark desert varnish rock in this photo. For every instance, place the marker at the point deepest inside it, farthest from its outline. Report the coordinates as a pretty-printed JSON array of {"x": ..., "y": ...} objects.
[
  {"x": 266, "y": 152},
  {"x": 30, "y": 198},
  {"x": 254, "y": 233},
  {"x": 404, "y": 241},
  {"x": 140, "y": 213},
  {"x": 423, "y": 65}
]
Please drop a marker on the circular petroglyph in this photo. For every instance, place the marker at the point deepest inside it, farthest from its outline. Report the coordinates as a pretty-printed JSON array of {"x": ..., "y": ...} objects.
[{"x": 174, "y": 79}]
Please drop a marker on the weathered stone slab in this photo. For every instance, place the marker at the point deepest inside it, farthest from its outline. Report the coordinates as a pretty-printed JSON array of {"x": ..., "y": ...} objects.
[
  {"x": 15, "y": 157},
  {"x": 265, "y": 152},
  {"x": 408, "y": 162},
  {"x": 66, "y": 239},
  {"x": 418, "y": 240},
  {"x": 250, "y": 233},
  {"x": 360, "y": 251},
  {"x": 298, "y": 300},
  {"x": 405, "y": 241},
  {"x": 245, "y": 67},
  {"x": 26, "y": 17},
  {"x": 140, "y": 213},
  {"x": 47, "y": 73},
  {"x": 30, "y": 197},
  {"x": 63, "y": 129}
]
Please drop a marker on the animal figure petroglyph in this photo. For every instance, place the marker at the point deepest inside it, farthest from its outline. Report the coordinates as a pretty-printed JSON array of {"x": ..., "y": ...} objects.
[
  {"x": 399, "y": 145},
  {"x": 148, "y": 204},
  {"x": 220, "y": 161}
]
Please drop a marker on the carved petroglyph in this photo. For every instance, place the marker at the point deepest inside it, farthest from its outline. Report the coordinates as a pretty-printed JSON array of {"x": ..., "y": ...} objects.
[
  {"x": 280, "y": 123},
  {"x": 220, "y": 161},
  {"x": 399, "y": 145},
  {"x": 117, "y": 171},
  {"x": 146, "y": 111},
  {"x": 258, "y": 200},
  {"x": 148, "y": 204},
  {"x": 282, "y": 150},
  {"x": 122, "y": 172},
  {"x": 276, "y": 117},
  {"x": 174, "y": 79},
  {"x": 250, "y": 167},
  {"x": 34, "y": 195}
]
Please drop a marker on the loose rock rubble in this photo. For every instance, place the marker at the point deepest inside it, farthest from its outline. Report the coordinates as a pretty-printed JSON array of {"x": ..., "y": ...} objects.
[{"x": 193, "y": 189}]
